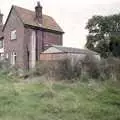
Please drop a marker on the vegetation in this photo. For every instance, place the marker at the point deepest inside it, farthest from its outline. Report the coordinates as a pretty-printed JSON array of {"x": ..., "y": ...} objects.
[
  {"x": 89, "y": 68},
  {"x": 85, "y": 90},
  {"x": 104, "y": 35},
  {"x": 60, "y": 70},
  {"x": 50, "y": 100}
]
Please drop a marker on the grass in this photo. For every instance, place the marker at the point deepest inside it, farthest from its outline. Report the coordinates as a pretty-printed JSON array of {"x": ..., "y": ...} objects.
[{"x": 50, "y": 100}]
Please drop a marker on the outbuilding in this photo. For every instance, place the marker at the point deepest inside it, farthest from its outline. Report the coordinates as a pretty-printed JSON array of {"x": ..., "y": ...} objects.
[{"x": 56, "y": 52}]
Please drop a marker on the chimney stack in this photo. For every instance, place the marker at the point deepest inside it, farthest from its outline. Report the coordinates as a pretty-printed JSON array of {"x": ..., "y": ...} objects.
[{"x": 38, "y": 12}]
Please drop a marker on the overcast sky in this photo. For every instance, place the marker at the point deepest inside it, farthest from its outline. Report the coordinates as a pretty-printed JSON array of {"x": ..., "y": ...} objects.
[{"x": 72, "y": 15}]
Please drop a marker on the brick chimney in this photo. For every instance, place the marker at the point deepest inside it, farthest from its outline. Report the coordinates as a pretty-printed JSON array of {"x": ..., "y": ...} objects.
[{"x": 38, "y": 12}]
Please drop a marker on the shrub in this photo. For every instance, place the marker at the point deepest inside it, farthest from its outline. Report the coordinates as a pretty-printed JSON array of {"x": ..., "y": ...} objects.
[
  {"x": 4, "y": 66},
  {"x": 62, "y": 69},
  {"x": 104, "y": 69},
  {"x": 110, "y": 68},
  {"x": 90, "y": 66},
  {"x": 67, "y": 70}
]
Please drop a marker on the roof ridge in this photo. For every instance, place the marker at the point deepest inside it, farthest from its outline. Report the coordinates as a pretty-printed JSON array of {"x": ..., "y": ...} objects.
[
  {"x": 68, "y": 47},
  {"x": 29, "y": 10}
]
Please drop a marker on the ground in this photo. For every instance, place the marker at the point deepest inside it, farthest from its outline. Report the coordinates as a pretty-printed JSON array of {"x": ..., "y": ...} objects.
[{"x": 49, "y": 100}]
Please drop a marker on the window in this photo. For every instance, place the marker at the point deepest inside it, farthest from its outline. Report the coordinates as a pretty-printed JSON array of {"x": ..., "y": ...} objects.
[
  {"x": 1, "y": 56},
  {"x": 13, "y": 35},
  {"x": 1, "y": 44},
  {"x": 13, "y": 58}
]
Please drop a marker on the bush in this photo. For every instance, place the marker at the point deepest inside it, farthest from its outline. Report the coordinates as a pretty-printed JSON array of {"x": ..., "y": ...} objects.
[
  {"x": 4, "y": 66},
  {"x": 66, "y": 70},
  {"x": 110, "y": 68},
  {"x": 90, "y": 66},
  {"x": 62, "y": 69},
  {"x": 104, "y": 69}
]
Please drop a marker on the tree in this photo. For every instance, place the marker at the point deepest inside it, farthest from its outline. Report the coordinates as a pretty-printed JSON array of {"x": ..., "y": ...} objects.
[{"x": 104, "y": 35}]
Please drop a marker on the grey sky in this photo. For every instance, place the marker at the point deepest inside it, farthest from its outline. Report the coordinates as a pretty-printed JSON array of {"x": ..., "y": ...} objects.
[{"x": 72, "y": 15}]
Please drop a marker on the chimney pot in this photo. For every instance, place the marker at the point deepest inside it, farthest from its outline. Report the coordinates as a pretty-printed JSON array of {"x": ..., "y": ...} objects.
[{"x": 38, "y": 12}]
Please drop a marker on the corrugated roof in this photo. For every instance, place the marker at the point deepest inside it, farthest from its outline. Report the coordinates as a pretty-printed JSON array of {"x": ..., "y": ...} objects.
[
  {"x": 74, "y": 50},
  {"x": 28, "y": 18}
]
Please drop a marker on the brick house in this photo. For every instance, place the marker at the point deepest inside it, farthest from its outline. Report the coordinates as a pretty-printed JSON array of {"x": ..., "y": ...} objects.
[{"x": 28, "y": 33}]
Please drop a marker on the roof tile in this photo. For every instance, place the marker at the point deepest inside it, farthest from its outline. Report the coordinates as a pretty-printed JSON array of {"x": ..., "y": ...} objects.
[{"x": 28, "y": 18}]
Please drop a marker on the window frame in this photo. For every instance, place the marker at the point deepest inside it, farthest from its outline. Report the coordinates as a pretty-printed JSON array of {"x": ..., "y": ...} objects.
[{"x": 13, "y": 35}]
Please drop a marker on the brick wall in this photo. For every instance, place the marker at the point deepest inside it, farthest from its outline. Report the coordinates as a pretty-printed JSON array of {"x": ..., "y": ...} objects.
[
  {"x": 14, "y": 23},
  {"x": 53, "y": 56},
  {"x": 52, "y": 38}
]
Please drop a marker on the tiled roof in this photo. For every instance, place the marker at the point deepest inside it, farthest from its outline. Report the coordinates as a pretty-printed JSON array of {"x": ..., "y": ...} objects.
[
  {"x": 74, "y": 50},
  {"x": 28, "y": 18}
]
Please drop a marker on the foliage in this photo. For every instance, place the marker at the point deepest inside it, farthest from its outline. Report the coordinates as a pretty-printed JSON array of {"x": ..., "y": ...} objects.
[
  {"x": 104, "y": 35},
  {"x": 88, "y": 68},
  {"x": 59, "y": 69},
  {"x": 110, "y": 68},
  {"x": 104, "y": 69}
]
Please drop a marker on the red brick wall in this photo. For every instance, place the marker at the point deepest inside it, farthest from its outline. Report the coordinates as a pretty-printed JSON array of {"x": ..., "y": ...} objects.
[
  {"x": 42, "y": 38},
  {"x": 14, "y": 23},
  {"x": 53, "y": 56},
  {"x": 52, "y": 38}
]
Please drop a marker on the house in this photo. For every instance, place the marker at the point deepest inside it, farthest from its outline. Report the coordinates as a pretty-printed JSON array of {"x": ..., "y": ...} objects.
[
  {"x": 1, "y": 37},
  {"x": 28, "y": 33},
  {"x": 57, "y": 52}
]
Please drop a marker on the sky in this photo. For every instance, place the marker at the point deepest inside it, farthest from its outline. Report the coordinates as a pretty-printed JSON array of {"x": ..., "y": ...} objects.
[{"x": 71, "y": 15}]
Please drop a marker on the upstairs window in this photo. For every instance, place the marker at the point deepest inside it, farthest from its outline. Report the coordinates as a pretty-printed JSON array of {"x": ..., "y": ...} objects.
[
  {"x": 1, "y": 44},
  {"x": 13, "y": 35}
]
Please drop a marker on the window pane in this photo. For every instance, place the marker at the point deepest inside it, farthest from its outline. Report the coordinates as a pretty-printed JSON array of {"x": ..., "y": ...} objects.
[{"x": 13, "y": 35}]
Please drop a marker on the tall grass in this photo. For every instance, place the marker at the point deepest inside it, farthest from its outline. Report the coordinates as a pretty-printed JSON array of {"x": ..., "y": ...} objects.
[{"x": 59, "y": 100}]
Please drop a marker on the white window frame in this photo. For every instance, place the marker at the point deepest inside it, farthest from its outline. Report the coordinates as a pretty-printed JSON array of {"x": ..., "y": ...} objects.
[
  {"x": 13, "y": 35},
  {"x": 13, "y": 58}
]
